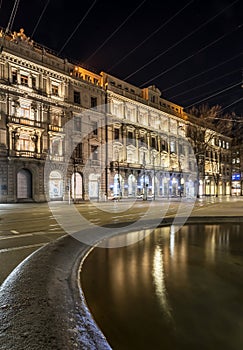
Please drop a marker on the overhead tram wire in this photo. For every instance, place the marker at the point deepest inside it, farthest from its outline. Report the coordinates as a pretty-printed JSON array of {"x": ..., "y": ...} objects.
[
  {"x": 201, "y": 95},
  {"x": 117, "y": 29},
  {"x": 12, "y": 16},
  {"x": 76, "y": 28},
  {"x": 180, "y": 41},
  {"x": 205, "y": 71},
  {"x": 189, "y": 57},
  {"x": 231, "y": 104},
  {"x": 204, "y": 84},
  {"x": 40, "y": 17},
  {"x": 149, "y": 36},
  {"x": 213, "y": 95},
  {"x": 10, "y": 22}
]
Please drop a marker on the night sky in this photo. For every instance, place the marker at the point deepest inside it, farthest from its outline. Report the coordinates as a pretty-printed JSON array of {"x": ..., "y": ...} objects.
[{"x": 189, "y": 49}]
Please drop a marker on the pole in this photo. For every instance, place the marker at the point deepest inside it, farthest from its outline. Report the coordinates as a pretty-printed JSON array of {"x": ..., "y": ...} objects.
[
  {"x": 144, "y": 182},
  {"x": 106, "y": 144},
  {"x": 154, "y": 174},
  {"x": 74, "y": 182}
]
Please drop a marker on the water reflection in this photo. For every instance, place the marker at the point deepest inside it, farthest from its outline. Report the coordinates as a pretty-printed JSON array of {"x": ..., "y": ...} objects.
[
  {"x": 172, "y": 290},
  {"x": 159, "y": 281}
]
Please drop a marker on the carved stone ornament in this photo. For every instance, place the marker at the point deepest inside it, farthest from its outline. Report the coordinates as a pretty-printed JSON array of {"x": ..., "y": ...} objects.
[{"x": 2, "y": 96}]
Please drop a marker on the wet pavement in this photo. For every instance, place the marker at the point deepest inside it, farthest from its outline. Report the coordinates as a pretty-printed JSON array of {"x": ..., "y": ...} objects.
[{"x": 40, "y": 304}]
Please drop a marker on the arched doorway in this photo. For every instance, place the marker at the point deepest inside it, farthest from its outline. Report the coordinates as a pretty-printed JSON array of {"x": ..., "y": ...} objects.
[
  {"x": 55, "y": 185},
  {"x": 132, "y": 185},
  {"x": 118, "y": 185},
  {"x": 94, "y": 186},
  {"x": 77, "y": 186},
  {"x": 24, "y": 184}
]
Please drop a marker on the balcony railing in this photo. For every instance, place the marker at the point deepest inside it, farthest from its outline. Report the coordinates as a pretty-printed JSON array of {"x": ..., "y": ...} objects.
[
  {"x": 25, "y": 121},
  {"x": 55, "y": 128},
  {"x": 26, "y": 154}
]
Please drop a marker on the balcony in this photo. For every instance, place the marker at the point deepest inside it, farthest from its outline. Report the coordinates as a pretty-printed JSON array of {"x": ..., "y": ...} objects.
[
  {"x": 25, "y": 121},
  {"x": 25, "y": 154},
  {"x": 55, "y": 128}
]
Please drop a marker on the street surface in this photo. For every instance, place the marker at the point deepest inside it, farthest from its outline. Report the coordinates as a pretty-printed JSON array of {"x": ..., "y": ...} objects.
[{"x": 26, "y": 227}]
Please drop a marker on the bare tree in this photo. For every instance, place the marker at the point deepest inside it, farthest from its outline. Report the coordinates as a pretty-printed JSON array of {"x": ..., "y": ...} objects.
[{"x": 208, "y": 122}]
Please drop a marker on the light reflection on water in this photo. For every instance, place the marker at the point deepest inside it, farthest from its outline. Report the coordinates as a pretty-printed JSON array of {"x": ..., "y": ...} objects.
[{"x": 172, "y": 290}]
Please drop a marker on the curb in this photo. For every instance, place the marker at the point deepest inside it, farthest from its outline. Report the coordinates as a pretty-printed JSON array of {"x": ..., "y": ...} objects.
[
  {"x": 42, "y": 307},
  {"x": 40, "y": 304}
]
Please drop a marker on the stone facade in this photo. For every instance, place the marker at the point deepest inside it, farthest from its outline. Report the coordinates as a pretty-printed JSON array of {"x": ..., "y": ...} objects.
[{"x": 67, "y": 133}]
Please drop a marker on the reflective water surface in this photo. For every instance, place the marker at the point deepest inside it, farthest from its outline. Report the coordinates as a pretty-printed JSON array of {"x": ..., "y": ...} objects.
[{"x": 171, "y": 290}]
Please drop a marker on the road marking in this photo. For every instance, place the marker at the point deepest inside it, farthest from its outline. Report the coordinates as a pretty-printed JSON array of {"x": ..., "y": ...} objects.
[
  {"x": 15, "y": 232},
  {"x": 23, "y": 247},
  {"x": 25, "y": 235}
]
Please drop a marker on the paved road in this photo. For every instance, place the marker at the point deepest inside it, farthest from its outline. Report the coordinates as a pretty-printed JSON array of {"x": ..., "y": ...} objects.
[
  {"x": 50, "y": 313},
  {"x": 26, "y": 227}
]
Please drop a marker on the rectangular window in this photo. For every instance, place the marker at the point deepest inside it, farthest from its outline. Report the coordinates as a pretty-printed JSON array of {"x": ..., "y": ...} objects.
[
  {"x": 180, "y": 149},
  {"x": 34, "y": 82},
  {"x": 94, "y": 152},
  {"x": 76, "y": 97},
  {"x": 24, "y": 80},
  {"x": 77, "y": 152},
  {"x": 116, "y": 134},
  {"x": 172, "y": 147},
  {"x": 55, "y": 120},
  {"x": 93, "y": 102},
  {"x": 95, "y": 128},
  {"x": 14, "y": 77},
  {"x": 24, "y": 111},
  {"x": 164, "y": 146},
  {"x": 77, "y": 123},
  {"x": 44, "y": 84},
  {"x": 54, "y": 90},
  {"x": 130, "y": 135},
  {"x": 153, "y": 142}
]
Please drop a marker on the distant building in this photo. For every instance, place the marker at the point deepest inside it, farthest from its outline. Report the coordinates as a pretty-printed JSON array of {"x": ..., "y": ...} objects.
[{"x": 67, "y": 133}]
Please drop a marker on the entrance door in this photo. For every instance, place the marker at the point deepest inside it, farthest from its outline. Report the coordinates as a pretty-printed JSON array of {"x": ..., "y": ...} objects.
[{"x": 24, "y": 184}]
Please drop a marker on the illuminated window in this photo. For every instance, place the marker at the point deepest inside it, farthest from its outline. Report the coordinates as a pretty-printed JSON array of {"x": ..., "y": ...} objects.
[
  {"x": 55, "y": 119},
  {"x": 25, "y": 143},
  {"x": 172, "y": 147},
  {"x": 24, "y": 111},
  {"x": 94, "y": 152}
]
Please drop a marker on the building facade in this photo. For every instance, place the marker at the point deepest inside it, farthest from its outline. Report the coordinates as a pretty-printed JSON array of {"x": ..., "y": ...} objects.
[{"x": 67, "y": 133}]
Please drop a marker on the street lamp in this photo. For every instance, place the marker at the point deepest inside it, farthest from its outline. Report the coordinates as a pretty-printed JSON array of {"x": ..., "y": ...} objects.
[
  {"x": 74, "y": 180},
  {"x": 154, "y": 156},
  {"x": 98, "y": 189},
  {"x": 144, "y": 180},
  {"x": 118, "y": 174}
]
